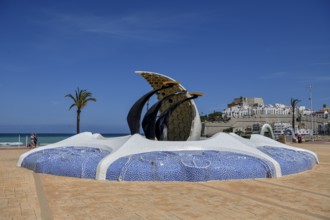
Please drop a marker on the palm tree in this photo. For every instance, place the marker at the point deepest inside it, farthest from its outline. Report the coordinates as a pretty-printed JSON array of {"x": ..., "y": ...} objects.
[
  {"x": 80, "y": 101},
  {"x": 293, "y": 105}
]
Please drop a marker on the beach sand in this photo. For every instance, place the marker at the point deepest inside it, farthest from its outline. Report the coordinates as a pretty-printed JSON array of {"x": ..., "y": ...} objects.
[{"x": 27, "y": 195}]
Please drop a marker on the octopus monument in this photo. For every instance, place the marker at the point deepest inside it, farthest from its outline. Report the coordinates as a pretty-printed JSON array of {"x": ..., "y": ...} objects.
[{"x": 170, "y": 148}]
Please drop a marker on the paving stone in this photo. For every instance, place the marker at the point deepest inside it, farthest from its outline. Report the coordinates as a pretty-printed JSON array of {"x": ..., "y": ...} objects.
[{"x": 25, "y": 195}]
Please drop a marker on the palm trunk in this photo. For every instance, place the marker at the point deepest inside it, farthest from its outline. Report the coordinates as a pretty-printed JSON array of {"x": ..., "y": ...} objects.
[
  {"x": 293, "y": 121},
  {"x": 78, "y": 121}
]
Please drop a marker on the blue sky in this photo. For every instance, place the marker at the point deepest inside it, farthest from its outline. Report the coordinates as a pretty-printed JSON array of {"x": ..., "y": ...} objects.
[{"x": 226, "y": 49}]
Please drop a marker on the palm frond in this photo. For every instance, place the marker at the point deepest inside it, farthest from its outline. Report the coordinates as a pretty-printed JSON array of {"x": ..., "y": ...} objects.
[
  {"x": 70, "y": 96},
  {"x": 82, "y": 96},
  {"x": 72, "y": 106}
]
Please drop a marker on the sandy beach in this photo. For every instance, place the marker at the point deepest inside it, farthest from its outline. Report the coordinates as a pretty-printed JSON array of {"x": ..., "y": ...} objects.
[{"x": 28, "y": 195}]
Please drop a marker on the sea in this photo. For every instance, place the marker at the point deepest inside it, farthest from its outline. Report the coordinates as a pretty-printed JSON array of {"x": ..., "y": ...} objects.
[{"x": 13, "y": 139}]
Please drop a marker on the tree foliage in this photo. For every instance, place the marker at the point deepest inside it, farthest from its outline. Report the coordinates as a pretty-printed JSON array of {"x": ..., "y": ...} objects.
[
  {"x": 212, "y": 117},
  {"x": 80, "y": 100}
]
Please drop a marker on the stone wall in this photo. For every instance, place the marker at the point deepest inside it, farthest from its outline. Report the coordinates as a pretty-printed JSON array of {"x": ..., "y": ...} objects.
[{"x": 210, "y": 128}]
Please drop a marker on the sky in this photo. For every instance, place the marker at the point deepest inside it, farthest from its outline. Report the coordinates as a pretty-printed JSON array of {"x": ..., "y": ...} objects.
[{"x": 271, "y": 49}]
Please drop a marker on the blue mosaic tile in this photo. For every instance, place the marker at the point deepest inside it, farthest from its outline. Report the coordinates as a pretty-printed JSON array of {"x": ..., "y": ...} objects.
[
  {"x": 190, "y": 166},
  {"x": 291, "y": 161},
  {"x": 78, "y": 162}
]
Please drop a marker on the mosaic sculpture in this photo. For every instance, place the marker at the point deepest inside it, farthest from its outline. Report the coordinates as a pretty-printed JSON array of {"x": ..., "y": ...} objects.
[
  {"x": 184, "y": 123},
  {"x": 150, "y": 118},
  {"x": 134, "y": 115},
  {"x": 182, "y": 157}
]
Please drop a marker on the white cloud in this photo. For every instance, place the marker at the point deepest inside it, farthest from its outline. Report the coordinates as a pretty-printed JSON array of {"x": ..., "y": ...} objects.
[
  {"x": 325, "y": 99},
  {"x": 274, "y": 75},
  {"x": 322, "y": 78},
  {"x": 314, "y": 79},
  {"x": 148, "y": 27},
  {"x": 301, "y": 77},
  {"x": 321, "y": 64}
]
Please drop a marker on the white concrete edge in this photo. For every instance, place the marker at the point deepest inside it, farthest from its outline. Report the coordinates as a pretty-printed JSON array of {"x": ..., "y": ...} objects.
[
  {"x": 138, "y": 144},
  {"x": 129, "y": 145},
  {"x": 85, "y": 139},
  {"x": 262, "y": 141},
  {"x": 248, "y": 143}
]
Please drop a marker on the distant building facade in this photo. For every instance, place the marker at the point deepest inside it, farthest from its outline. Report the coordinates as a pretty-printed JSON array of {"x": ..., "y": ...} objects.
[
  {"x": 247, "y": 107},
  {"x": 244, "y": 114},
  {"x": 243, "y": 101}
]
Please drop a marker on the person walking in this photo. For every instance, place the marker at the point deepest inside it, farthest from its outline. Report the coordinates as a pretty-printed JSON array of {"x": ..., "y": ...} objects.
[{"x": 33, "y": 140}]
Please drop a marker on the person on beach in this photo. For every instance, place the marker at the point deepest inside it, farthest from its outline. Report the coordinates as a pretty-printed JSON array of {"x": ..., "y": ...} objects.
[{"x": 33, "y": 140}]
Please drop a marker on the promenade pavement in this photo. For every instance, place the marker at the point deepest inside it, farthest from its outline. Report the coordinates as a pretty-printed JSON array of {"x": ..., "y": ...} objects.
[{"x": 27, "y": 195}]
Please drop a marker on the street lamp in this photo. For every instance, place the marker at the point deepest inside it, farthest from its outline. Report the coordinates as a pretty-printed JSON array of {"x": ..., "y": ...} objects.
[{"x": 310, "y": 99}]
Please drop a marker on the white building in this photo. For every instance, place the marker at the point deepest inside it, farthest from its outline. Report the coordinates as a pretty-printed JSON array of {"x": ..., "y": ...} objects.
[
  {"x": 245, "y": 110},
  {"x": 241, "y": 108},
  {"x": 322, "y": 114}
]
